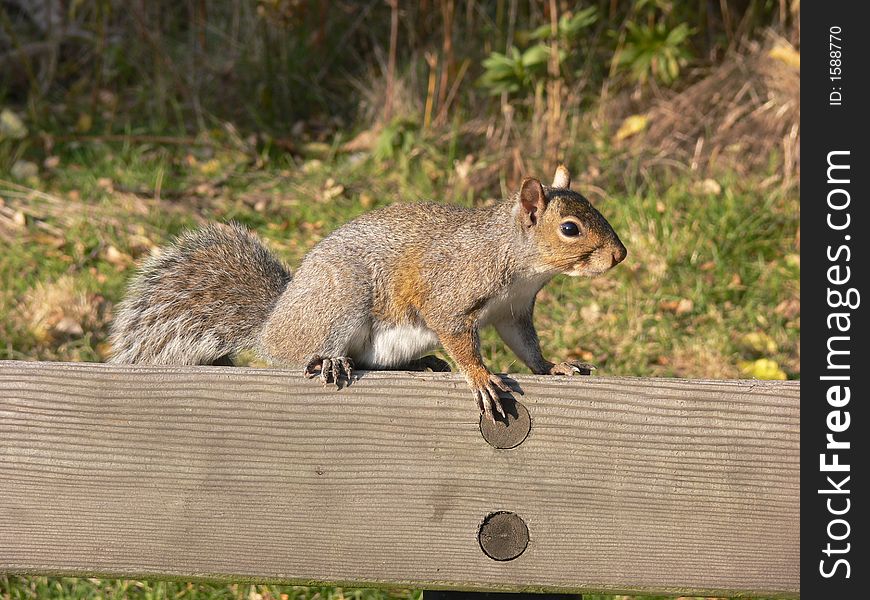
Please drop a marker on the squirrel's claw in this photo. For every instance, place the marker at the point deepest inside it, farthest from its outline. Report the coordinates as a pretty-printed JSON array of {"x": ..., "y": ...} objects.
[
  {"x": 570, "y": 367},
  {"x": 347, "y": 366},
  {"x": 484, "y": 403},
  {"x": 487, "y": 397},
  {"x": 330, "y": 370},
  {"x": 310, "y": 372}
]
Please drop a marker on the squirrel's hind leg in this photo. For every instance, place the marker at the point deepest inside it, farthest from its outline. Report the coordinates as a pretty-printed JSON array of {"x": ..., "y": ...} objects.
[{"x": 318, "y": 322}]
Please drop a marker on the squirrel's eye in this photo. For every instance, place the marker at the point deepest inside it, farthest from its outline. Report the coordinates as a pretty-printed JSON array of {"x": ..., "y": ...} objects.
[{"x": 570, "y": 229}]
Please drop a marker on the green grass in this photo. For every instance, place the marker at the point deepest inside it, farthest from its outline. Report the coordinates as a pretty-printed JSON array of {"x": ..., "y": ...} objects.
[
  {"x": 705, "y": 273},
  {"x": 711, "y": 282},
  {"x": 74, "y": 588}
]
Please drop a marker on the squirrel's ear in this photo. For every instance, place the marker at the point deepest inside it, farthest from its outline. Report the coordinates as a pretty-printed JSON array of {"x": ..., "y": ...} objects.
[
  {"x": 562, "y": 179},
  {"x": 532, "y": 200}
]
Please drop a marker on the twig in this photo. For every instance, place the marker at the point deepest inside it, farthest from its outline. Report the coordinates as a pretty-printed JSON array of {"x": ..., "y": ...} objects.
[
  {"x": 7, "y": 213},
  {"x": 447, "y": 9},
  {"x": 442, "y": 112},
  {"x": 391, "y": 62},
  {"x": 432, "y": 61}
]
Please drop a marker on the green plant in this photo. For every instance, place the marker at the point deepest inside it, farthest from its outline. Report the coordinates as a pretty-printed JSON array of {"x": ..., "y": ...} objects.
[
  {"x": 570, "y": 26},
  {"x": 655, "y": 51},
  {"x": 519, "y": 71},
  {"x": 514, "y": 71},
  {"x": 397, "y": 139}
]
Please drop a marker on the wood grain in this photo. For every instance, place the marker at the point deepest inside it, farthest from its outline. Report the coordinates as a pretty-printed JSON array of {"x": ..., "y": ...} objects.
[{"x": 629, "y": 485}]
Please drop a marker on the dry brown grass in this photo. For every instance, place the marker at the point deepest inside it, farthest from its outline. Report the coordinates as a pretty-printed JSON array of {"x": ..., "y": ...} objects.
[
  {"x": 59, "y": 310},
  {"x": 736, "y": 116}
]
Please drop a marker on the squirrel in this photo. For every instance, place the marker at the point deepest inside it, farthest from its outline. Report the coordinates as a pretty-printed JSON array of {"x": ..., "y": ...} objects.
[{"x": 380, "y": 292}]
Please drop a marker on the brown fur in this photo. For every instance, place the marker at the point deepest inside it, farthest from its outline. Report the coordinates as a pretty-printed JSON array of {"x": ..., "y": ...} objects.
[
  {"x": 382, "y": 290},
  {"x": 407, "y": 291}
]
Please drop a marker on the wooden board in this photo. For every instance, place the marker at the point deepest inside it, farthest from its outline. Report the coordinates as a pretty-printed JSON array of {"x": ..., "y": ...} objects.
[{"x": 625, "y": 484}]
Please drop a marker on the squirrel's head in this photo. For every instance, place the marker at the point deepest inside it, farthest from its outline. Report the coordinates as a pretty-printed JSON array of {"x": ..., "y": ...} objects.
[{"x": 571, "y": 236}]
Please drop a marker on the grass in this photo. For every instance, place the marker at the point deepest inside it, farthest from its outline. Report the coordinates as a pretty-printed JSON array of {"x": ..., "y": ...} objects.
[
  {"x": 710, "y": 287},
  {"x": 74, "y": 588},
  {"x": 711, "y": 281}
]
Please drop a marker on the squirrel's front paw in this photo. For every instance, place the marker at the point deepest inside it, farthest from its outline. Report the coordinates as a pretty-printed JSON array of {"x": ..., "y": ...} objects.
[
  {"x": 486, "y": 388},
  {"x": 570, "y": 367},
  {"x": 330, "y": 370}
]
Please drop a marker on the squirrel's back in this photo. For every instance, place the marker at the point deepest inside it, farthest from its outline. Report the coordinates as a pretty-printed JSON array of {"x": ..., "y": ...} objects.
[
  {"x": 202, "y": 298},
  {"x": 383, "y": 239}
]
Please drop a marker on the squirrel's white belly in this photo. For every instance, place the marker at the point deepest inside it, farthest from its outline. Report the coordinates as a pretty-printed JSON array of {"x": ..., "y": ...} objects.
[{"x": 389, "y": 346}]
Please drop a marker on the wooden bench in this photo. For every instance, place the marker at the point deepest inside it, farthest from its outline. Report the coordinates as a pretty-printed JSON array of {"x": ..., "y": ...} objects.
[{"x": 625, "y": 485}]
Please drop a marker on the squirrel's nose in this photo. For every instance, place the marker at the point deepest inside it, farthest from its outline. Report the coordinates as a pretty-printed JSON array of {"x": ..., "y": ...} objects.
[{"x": 619, "y": 255}]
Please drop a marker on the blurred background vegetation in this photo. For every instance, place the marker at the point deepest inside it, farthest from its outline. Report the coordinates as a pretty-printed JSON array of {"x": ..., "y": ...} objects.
[{"x": 124, "y": 122}]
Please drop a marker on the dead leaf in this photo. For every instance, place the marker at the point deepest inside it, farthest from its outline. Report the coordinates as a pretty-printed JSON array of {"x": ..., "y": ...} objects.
[
  {"x": 116, "y": 257},
  {"x": 210, "y": 167},
  {"x": 363, "y": 142},
  {"x": 331, "y": 190},
  {"x": 69, "y": 327},
  {"x": 84, "y": 123},
  {"x": 463, "y": 168},
  {"x": 786, "y": 54},
  {"x": 758, "y": 343},
  {"x": 591, "y": 313},
  {"x": 708, "y": 187},
  {"x": 319, "y": 150},
  {"x": 789, "y": 308},
  {"x": 107, "y": 98},
  {"x": 677, "y": 307},
  {"x": 632, "y": 125},
  {"x": 206, "y": 190},
  {"x": 763, "y": 368},
  {"x": 581, "y": 354},
  {"x": 311, "y": 166}
]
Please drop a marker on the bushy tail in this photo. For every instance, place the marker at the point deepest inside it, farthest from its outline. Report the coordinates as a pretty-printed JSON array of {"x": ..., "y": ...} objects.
[{"x": 204, "y": 297}]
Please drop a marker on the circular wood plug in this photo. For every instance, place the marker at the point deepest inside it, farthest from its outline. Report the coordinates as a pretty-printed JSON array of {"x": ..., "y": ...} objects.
[
  {"x": 509, "y": 432},
  {"x": 503, "y": 535}
]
